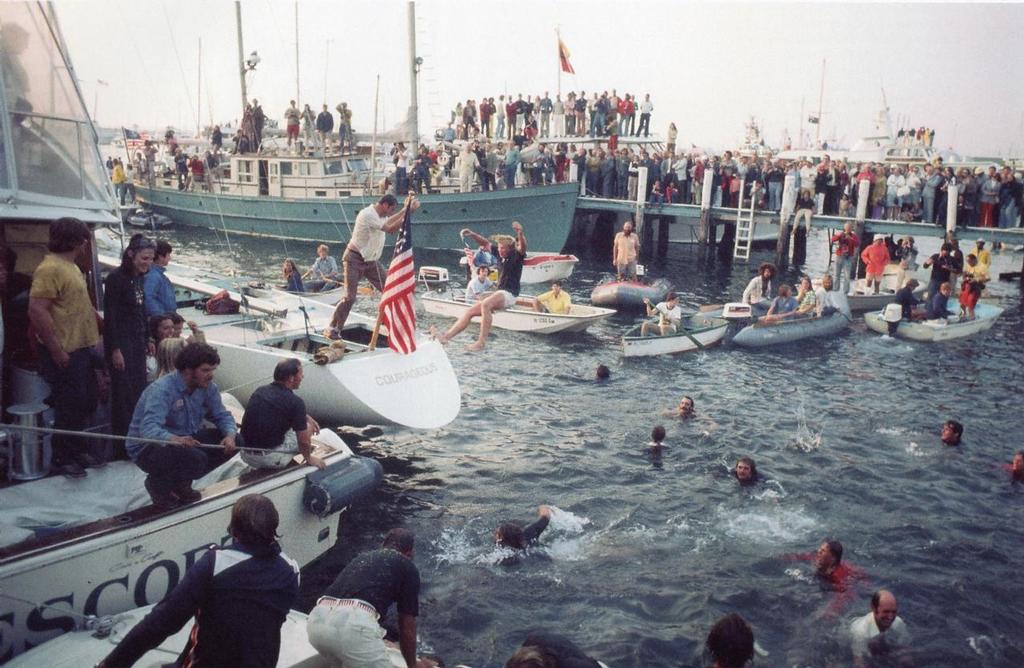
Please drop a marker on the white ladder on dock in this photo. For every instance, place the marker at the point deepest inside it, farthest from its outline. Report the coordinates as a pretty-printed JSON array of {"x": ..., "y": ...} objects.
[{"x": 744, "y": 226}]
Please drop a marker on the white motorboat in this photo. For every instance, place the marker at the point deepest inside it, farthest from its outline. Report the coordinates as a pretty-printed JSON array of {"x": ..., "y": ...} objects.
[
  {"x": 694, "y": 333},
  {"x": 940, "y": 329},
  {"x": 96, "y": 546},
  {"x": 543, "y": 267},
  {"x": 522, "y": 317},
  {"x": 363, "y": 386},
  {"x": 863, "y": 298}
]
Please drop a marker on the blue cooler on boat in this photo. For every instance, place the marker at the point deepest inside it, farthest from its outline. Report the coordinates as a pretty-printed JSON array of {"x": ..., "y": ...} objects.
[{"x": 340, "y": 484}]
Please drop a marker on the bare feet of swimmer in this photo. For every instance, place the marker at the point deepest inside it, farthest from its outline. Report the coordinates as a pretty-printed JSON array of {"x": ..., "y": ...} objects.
[{"x": 475, "y": 347}]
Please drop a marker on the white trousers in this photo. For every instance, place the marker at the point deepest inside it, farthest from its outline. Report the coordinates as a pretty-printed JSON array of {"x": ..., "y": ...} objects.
[{"x": 348, "y": 635}]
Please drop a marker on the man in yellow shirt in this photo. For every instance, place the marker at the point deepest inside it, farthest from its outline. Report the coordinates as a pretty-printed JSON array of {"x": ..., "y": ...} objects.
[
  {"x": 65, "y": 323},
  {"x": 983, "y": 255},
  {"x": 553, "y": 301}
]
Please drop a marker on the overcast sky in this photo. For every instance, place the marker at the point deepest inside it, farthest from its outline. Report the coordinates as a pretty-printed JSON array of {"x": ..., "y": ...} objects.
[{"x": 708, "y": 67}]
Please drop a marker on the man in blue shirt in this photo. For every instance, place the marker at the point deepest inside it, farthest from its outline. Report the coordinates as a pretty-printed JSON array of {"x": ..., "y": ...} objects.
[
  {"x": 938, "y": 303},
  {"x": 157, "y": 288},
  {"x": 172, "y": 409}
]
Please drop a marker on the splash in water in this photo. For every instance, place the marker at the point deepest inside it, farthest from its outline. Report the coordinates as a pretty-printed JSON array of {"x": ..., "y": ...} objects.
[
  {"x": 771, "y": 526},
  {"x": 805, "y": 439}
]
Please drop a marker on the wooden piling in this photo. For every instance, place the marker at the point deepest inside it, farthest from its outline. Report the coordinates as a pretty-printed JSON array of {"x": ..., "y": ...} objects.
[
  {"x": 863, "y": 195},
  {"x": 706, "y": 230},
  {"x": 663, "y": 224},
  {"x": 952, "y": 195},
  {"x": 785, "y": 211}
]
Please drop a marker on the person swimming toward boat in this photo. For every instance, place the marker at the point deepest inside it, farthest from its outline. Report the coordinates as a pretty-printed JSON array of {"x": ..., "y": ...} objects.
[
  {"x": 745, "y": 471},
  {"x": 602, "y": 373},
  {"x": 837, "y": 575},
  {"x": 656, "y": 448},
  {"x": 1016, "y": 467},
  {"x": 730, "y": 642},
  {"x": 517, "y": 537},
  {"x": 684, "y": 411},
  {"x": 952, "y": 432}
]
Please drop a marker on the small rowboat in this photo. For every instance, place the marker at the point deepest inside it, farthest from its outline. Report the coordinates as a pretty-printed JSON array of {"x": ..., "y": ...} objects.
[
  {"x": 940, "y": 329},
  {"x": 543, "y": 267},
  {"x": 629, "y": 294},
  {"x": 522, "y": 317},
  {"x": 862, "y": 298},
  {"x": 695, "y": 332}
]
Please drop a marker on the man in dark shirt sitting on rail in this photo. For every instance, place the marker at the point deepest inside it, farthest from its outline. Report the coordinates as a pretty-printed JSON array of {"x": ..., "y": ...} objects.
[
  {"x": 275, "y": 409},
  {"x": 344, "y": 625}
]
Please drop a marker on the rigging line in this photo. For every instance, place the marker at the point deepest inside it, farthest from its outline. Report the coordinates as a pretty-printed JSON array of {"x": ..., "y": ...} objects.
[{"x": 174, "y": 45}]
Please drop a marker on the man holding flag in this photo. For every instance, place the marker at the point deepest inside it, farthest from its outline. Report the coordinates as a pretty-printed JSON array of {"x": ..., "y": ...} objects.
[{"x": 364, "y": 250}]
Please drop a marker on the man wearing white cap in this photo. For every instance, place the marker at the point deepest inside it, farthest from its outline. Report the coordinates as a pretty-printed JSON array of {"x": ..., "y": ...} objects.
[
  {"x": 875, "y": 257},
  {"x": 983, "y": 255}
]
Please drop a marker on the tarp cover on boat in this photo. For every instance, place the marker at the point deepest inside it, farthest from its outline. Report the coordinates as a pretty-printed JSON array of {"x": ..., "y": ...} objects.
[{"x": 57, "y": 503}]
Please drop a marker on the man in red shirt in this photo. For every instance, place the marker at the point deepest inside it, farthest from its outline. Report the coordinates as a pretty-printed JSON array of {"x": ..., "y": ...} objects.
[
  {"x": 837, "y": 576},
  {"x": 875, "y": 258},
  {"x": 846, "y": 244}
]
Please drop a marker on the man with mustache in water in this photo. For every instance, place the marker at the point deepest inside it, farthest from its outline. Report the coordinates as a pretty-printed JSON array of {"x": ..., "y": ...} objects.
[{"x": 510, "y": 252}]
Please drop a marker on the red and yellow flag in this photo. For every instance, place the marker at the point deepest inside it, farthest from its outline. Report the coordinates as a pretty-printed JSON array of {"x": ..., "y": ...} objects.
[{"x": 563, "y": 57}]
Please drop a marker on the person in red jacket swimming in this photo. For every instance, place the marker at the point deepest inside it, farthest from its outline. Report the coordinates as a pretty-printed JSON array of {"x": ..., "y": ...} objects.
[
  {"x": 838, "y": 576},
  {"x": 875, "y": 257}
]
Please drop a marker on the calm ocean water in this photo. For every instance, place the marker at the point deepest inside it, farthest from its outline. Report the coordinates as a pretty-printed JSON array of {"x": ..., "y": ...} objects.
[{"x": 641, "y": 560}]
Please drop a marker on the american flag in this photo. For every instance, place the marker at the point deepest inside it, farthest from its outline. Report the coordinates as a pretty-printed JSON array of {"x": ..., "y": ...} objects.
[{"x": 397, "y": 311}]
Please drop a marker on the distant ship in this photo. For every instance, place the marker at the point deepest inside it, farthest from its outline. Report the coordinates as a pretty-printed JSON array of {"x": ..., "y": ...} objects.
[{"x": 316, "y": 198}]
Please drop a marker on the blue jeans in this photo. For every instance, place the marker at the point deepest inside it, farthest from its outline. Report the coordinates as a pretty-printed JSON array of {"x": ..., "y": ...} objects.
[
  {"x": 596, "y": 124},
  {"x": 624, "y": 126},
  {"x": 842, "y": 273},
  {"x": 510, "y": 176},
  {"x": 774, "y": 195},
  {"x": 1008, "y": 215},
  {"x": 401, "y": 181},
  {"x": 499, "y": 132},
  {"x": 929, "y": 209}
]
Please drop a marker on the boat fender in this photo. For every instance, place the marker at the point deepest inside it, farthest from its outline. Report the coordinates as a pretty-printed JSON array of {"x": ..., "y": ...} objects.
[
  {"x": 341, "y": 483},
  {"x": 892, "y": 313}
]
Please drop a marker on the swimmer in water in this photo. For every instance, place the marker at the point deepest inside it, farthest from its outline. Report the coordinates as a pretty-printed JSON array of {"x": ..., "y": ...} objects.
[
  {"x": 603, "y": 372},
  {"x": 745, "y": 471},
  {"x": 1016, "y": 468},
  {"x": 517, "y": 537},
  {"x": 952, "y": 431},
  {"x": 730, "y": 642},
  {"x": 684, "y": 411},
  {"x": 657, "y": 446}
]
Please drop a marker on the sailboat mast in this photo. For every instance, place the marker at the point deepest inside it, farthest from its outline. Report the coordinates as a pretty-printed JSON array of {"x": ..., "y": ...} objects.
[
  {"x": 821, "y": 97},
  {"x": 199, "y": 88},
  {"x": 414, "y": 109},
  {"x": 241, "y": 52},
  {"x": 373, "y": 142},
  {"x": 298, "y": 101}
]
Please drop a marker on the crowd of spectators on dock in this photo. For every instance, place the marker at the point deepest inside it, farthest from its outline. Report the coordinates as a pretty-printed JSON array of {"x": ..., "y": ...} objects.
[{"x": 578, "y": 115}]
